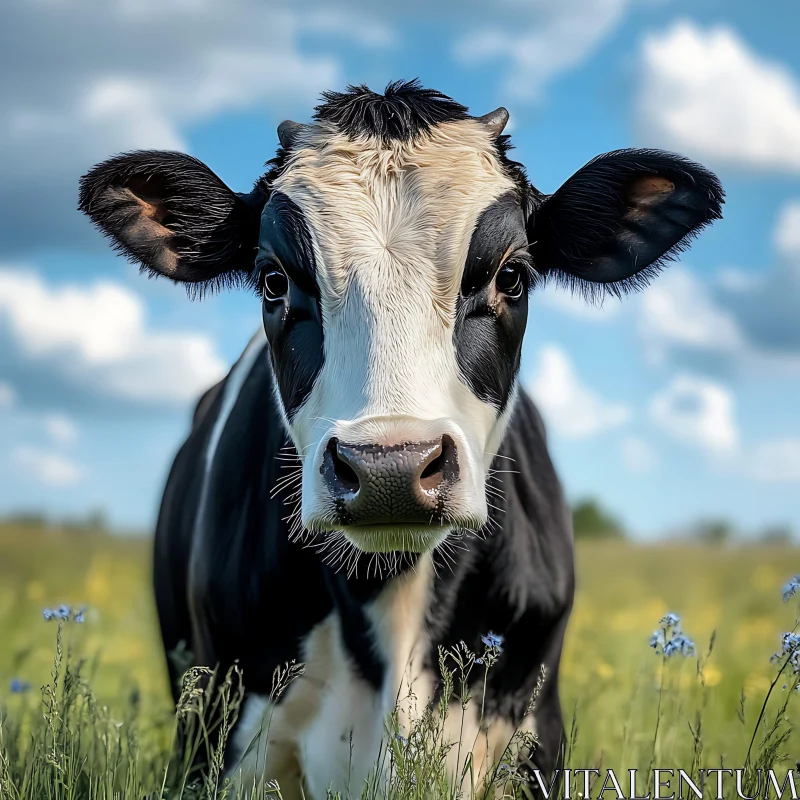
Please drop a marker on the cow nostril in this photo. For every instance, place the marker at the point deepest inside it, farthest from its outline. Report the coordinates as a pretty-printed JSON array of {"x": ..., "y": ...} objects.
[
  {"x": 345, "y": 474},
  {"x": 441, "y": 467}
]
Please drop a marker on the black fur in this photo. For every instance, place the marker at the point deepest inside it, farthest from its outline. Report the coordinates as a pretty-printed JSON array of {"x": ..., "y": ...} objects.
[
  {"x": 293, "y": 325},
  {"x": 234, "y": 584},
  {"x": 211, "y": 230},
  {"x": 588, "y": 232},
  {"x": 404, "y": 111},
  {"x": 488, "y": 330}
]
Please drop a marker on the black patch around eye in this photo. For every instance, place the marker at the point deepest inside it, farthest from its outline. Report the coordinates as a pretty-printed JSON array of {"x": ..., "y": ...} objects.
[
  {"x": 285, "y": 239},
  {"x": 488, "y": 334},
  {"x": 500, "y": 228},
  {"x": 488, "y": 342},
  {"x": 293, "y": 321},
  {"x": 294, "y": 332}
]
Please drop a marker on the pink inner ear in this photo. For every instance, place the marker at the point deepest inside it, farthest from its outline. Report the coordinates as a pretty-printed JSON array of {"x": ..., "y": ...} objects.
[
  {"x": 146, "y": 227},
  {"x": 649, "y": 189}
]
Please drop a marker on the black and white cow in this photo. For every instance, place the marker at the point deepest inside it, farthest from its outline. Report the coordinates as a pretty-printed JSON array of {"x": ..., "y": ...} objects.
[{"x": 393, "y": 244}]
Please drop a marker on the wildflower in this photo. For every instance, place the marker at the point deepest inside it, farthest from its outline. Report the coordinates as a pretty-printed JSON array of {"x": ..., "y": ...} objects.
[
  {"x": 669, "y": 640},
  {"x": 400, "y": 738},
  {"x": 19, "y": 687},
  {"x": 494, "y": 641},
  {"x": 791, "y": 588},
  {"x": 479, "y": 661},
  {"x": 679, "y": 644},
  {"x": 63, "y": 612},
  {"x": 48, "y": 614},
  {"x": 670, "y": 621},
  {"x": 79, "y": 615},
  {"x": 790, "y": 649}
]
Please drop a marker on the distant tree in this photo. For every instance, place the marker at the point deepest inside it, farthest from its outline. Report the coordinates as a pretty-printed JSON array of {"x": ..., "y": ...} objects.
[
  {"x": 776, "y": 534},
  {"x": 27, "y": 519},
  {"x": 713, "y": 531},
  {"x": 591, "y": 521}
]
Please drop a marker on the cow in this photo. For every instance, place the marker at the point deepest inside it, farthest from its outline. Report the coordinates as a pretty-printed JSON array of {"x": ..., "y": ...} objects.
[{"x": 393, "y": 244}]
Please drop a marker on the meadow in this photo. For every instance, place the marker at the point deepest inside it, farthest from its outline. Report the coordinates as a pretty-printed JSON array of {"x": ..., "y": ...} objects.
[{"x": 625, "y": 705}]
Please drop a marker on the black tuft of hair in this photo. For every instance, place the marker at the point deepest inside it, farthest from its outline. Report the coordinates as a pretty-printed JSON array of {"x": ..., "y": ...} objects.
[{"x": 404, "y": 111}]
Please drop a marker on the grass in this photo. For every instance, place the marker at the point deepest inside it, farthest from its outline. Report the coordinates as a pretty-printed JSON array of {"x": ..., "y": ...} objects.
[{"x": 102, "y": 727}]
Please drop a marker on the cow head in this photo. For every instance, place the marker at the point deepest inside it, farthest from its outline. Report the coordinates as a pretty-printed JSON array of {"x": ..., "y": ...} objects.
[{"x": 394, "y": 244}]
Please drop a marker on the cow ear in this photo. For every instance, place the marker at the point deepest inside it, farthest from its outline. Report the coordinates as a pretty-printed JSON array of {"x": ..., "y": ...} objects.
[
  {"x": 173, "y": 216},
  {"x": 617, "y": 220}
]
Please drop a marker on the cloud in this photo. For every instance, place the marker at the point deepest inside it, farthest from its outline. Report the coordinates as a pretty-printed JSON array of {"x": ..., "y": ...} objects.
[
  {"x": 51, "y": 469},
  {"x": 60, "y": 428},
  {"x": 698, "y": 412},
  {"x": 7, "y": 395},
  {"x": 572, "y": 409},
  {"x": 787, "y": 232},
  {"x": 97, "y": 337},
  {"x": 704, "y": 92},
  {"x": 638, "y": 455},
  {"x": 677, "y": 312},
  {"x": 776, "y": 461},
  {"x": 574, "y": 305},
  {"x": 539, "y": 39},
  {"x": 96, "y": 77}
]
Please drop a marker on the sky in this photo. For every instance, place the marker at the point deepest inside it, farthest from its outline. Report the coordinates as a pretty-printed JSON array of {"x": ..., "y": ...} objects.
[{"x": 676, "y": 404}]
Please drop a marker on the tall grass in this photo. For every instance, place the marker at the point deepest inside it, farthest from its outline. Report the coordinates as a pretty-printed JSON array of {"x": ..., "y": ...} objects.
[{"x": 99, "y": 726}]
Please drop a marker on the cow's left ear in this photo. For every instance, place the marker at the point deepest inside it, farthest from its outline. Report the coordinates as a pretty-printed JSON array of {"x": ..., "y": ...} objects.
[{"x": 616, "y": 220}]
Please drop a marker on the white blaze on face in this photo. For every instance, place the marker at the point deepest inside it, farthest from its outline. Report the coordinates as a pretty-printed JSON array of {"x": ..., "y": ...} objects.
[{"x": 391, "y": 225}]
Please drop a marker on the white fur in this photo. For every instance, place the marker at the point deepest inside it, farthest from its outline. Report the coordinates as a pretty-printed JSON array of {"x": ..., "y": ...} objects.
[
  {"x": 391, "y": 226},
  {"x": 330, "y": 725}
]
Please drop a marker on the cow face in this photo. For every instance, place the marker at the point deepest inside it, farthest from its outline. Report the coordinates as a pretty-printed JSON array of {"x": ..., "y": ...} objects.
[{"x": 394, "y": 245}]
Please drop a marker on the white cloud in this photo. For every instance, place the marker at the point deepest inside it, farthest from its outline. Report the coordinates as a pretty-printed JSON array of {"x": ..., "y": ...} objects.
[
  {"x": 787, "y": 231},
  {"x": 60, "y": 428},
  {"x": 698, "y": 412},
  {"x": 678, "y": 311},
  {"x": 776, "y": 461},
  {"x": 51, "y": 469},
  {"x": 7, "y": 395},
  {"x": 97, "y": 77},
  {"x": 571, "y": 408},
  {"x": 98, "y": 335},
  {"x": 638, "y": 455},
  {"x": 540, "y": 39},
  {"x": 704, "y": 92},
  {"x": 574, "y": 305}
]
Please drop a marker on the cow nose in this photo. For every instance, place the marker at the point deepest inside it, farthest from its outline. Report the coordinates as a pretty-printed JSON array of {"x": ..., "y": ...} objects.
[{"x": 374, "y": 484}]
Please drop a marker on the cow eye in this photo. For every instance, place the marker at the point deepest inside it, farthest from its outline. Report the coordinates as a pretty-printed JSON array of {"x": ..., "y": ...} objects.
[
  {"x": 509, "y": 280},
  {"x": 276, "y": 285}
]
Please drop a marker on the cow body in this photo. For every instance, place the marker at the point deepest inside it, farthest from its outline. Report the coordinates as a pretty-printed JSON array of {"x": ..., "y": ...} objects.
[
  {"x": 393, "y": 244},
  {"x": 232, "y": 585}
]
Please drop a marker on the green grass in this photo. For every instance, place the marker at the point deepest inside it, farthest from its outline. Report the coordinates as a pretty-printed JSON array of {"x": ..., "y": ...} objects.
[{"x": 107, "y": 721}]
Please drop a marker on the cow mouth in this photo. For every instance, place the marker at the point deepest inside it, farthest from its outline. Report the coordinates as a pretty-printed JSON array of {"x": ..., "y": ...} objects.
[{"x": 397, "y": 537}]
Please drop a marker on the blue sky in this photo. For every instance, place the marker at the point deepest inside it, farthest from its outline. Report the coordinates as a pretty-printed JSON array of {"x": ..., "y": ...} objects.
[{"x": 676, "y": 404}]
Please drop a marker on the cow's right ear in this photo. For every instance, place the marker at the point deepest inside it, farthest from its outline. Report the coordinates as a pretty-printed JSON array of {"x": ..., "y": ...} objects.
[{"x": 173, "y": 216}]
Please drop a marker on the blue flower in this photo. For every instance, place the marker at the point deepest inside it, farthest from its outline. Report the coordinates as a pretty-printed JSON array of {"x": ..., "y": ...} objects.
[
  {"x": 670, "y": 621},
  {"x": 494, "y": 641},
  {"x": 479, "y": 661},
  {"x": 19, "y": 687},
  {"x": 790, "y": 649},
  {"x": 63, "y": 612},
  {"x": 48, "y": 614},
  {"x": 679, "y": 645},
  {"x": 668, "y": 640},
  {"x": 402, "y": 739},
  {"x": 791, "y": 588},
  {"x": 79, "y": 618}
]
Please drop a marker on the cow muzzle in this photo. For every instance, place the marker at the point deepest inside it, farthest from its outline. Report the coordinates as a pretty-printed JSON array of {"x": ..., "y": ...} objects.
[
  {"x": 402, "y": 484},
  {"x": 403, "y": 488}
]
